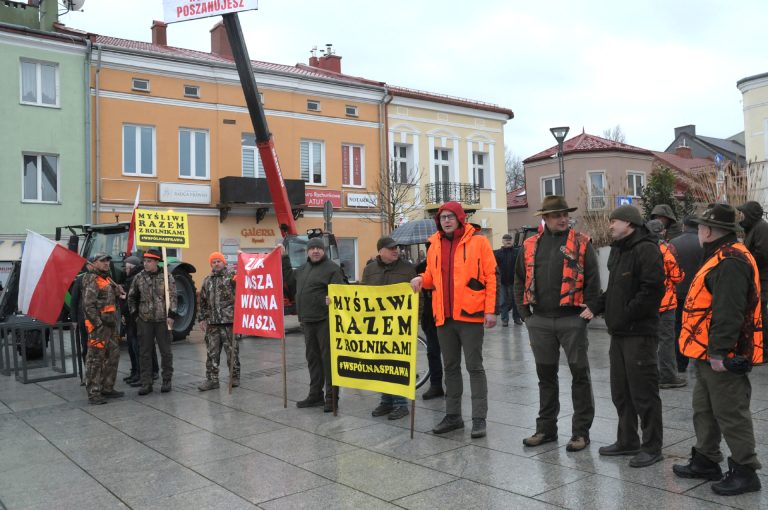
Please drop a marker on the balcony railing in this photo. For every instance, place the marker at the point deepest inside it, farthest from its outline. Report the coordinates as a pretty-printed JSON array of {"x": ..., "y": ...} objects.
[
  {"x": 597, "y": 202},
  {"x": 441, "y": 192}
]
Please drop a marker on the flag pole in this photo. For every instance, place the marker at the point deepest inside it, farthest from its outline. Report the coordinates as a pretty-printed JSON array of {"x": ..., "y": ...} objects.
[
  {"x": 413, "y": 416},
  {"x": 285, "y": 375},
  {"x": 165, "y": 280}
]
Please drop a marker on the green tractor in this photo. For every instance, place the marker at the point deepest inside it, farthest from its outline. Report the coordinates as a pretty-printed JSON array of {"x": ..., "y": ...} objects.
[{"x": 112, "y": 238}]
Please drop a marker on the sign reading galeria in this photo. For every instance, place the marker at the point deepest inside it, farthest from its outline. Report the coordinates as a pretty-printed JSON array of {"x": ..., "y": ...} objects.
[
  {"x": 373, "y": 337},
  {"x": 183, "y": 10},
  {"x": 259, "y": 295},
  {"x": 162, "y": 228}
]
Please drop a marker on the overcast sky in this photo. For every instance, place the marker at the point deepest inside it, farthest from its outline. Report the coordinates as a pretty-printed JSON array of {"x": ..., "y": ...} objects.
[{"x": 648, "y": 66}]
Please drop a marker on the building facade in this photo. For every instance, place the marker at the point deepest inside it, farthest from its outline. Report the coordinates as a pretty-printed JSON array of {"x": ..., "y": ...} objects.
[{"x": 43, "y": 120}]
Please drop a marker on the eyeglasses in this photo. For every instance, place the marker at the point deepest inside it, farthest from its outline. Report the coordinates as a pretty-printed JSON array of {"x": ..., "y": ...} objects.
[{"x": 447, "y": 217}]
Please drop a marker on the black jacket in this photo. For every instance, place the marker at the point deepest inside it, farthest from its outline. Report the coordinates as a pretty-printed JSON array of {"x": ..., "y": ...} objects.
[
  {"x": 689, "y": 253},
  {"x": 756, "y": 241},
  {"x": 635, "y": 286},
  {"x": 379, "y": 273},
  {"x": 308, "y": 286},
  {"x": 505, "y": 261}
]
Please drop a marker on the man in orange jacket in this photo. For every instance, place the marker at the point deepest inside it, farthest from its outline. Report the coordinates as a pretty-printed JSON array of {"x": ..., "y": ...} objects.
[{"x": 461, "y": 271}]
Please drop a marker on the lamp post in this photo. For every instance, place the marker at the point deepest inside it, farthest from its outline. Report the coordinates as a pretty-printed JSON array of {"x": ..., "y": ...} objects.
[{"x": 560, "y": 133}]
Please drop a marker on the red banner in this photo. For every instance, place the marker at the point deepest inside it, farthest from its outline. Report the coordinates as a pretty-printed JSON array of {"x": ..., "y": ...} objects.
[{"x": 259, "y": 296}]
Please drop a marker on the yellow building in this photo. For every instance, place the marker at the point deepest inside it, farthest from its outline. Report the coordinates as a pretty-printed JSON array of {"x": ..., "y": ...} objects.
[
  {"x": 454, "y": 149},
  {"x": 174, "y": 123}
]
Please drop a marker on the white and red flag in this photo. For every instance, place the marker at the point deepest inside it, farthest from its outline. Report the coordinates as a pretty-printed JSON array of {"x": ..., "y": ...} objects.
[
  {"x": 47, "y": 271},
  {"x": 132, "y": 227},
  {"x": 259, "y": 295}
]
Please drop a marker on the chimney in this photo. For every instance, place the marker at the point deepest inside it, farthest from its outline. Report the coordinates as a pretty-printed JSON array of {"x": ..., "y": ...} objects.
[
  {"x": 684, "y": 151},
  {"x": 330, "y": 63},
  {"x": 690, "y": 129},
  {"x": 219, "y": 41},
  {"x": 158, "y": 33}
]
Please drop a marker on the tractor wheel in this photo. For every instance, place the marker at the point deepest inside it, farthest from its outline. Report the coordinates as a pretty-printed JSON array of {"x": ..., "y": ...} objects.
[{"x": 186, "y": 305}]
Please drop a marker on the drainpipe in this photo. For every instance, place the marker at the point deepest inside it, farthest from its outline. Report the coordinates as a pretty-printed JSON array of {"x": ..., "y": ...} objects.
[
  {"x": 87, "y": 78},
  {"x": 98, "y": 138},
  {"x": 384, "y": 142}
]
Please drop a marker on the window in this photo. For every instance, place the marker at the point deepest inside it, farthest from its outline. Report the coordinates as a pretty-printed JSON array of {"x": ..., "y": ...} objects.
[
  {"x": 312, "y": 161},
  {"x": 479, "y": 160},
  {"x": 442, "y": 165},
  {"x": 39, "y": 83},
  {"x": 138, "y": 150},
  {"x": 551, "y": 186},
  {"x": 252, "y": 165},
  {"x": 401, "y": 162},
  {"x": 348, "y": 256},
  {"x": 193, "y": 154},
  {"x": 40, "y": 180},
  {"x": 352, "y": 165},
  {"x": 635, "y": 183},
  {"x": 140, "y": 84},
  {"x": 351, "y": 111},
  {"x": 596, "y": 190},
  {"x": 191, "y": 91},
  {"x": 313, "y": 106}
]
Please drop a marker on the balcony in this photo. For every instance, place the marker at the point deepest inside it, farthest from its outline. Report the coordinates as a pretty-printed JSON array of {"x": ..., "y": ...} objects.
[
  {"x": 253, "y": 193},
  {"x": 436, "y": 194}
]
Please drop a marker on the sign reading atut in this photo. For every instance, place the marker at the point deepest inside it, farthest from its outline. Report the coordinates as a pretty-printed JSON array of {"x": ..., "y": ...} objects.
[
  {"x": 183, "y": 10},
  {"x": 317, "y": 197},
  {"x": 162, "y": 228}
]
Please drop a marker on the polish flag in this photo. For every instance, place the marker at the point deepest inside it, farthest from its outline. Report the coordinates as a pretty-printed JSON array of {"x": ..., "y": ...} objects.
[
  {"x": 132, "y": 227},
  {"x": 47, "y": 271}
]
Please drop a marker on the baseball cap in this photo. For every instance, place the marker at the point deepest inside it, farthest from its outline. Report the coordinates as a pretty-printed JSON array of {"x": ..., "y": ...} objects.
[
  {"x": 99, "y": 256},
  {"x": 385, "y": 242}
]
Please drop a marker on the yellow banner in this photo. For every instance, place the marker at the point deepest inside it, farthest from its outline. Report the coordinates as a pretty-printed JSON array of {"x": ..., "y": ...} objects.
[
  {"x": 373, "y": 337},
  {"x": 162, "y": 228}
]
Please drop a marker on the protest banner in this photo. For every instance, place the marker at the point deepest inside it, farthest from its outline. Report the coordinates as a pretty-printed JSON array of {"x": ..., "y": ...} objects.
[
  {"x": 183, "y": 10},
  {"x": 259, "y": 295},
  {"x": 167, "y": 229},
  {"x": 373, "y": 337}
]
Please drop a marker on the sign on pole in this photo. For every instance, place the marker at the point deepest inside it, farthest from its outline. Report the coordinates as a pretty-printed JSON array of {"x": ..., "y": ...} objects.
[
  {"x": 167, "y": 229},
  {"x": 259, "y": 295},
  {"x": 183, "y": 10},
  {"x": 373, "y": 337}
]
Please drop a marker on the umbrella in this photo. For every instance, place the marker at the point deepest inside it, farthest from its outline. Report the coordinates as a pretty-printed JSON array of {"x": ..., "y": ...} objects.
[{"x": 414, "y": 232}]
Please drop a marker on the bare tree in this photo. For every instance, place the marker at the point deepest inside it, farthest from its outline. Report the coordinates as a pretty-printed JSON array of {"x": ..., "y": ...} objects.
[
  {"x": 394, "y": 196},
  {"x": 615, "y": 133},
  {"x": 513, "y": 166}
]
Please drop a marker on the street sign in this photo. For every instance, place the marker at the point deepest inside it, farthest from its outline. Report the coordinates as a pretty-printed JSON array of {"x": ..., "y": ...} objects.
[
  {"x": 327, "y": 215},
  {"x": 623, "y": 200},
  {"x": 183, "y": 10}
]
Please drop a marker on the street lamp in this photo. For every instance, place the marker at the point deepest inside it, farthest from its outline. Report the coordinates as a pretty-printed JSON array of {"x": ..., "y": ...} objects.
[{"x": 560, "y": 133}]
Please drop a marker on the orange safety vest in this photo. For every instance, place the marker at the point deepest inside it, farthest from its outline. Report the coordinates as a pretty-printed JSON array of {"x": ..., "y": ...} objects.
[
  {"x": 574, "y": 252},
  {"x": 674, "y": 275},
  {"x": 697, "y": 311}
]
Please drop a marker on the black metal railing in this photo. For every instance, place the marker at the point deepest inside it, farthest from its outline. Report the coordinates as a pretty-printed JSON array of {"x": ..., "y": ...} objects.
[{"x": 441, "y": 192}]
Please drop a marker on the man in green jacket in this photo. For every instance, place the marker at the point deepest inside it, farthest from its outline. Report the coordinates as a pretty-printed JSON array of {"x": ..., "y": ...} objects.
[
  {"x": 308, "y": 286},
  {"x": 388, "y": 268}
]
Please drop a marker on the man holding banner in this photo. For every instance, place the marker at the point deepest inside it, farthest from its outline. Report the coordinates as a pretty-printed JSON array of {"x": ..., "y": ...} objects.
[
  {"x": 461, "y": 268},
  {"x": 217, "y": 310},
  {"x": 146, "y": 298},
  {"x": 386, "y": 269},
  {"x": 308, "y": 286}
]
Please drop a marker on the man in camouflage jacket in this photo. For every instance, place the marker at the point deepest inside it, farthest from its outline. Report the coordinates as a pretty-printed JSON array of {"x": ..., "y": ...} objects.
[
  {"x": 99, "y": 302},
  {"x": 146, "y": 298},
  {"x": 216, "y": 314}
]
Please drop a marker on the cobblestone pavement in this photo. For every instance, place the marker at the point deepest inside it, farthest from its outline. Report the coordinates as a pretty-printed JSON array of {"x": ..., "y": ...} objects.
[{"x": 188, "y": 449}]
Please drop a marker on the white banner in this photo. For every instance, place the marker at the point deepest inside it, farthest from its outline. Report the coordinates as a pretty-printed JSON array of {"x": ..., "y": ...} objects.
[{"x": 183, "y": 10}]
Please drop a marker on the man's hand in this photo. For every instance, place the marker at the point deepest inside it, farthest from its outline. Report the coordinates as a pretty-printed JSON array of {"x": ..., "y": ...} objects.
[
  {"x": 717, "y": 365},
  {"x": 327, "y": 301},
  {"x": 203, "y": 326},
  {"x": 169, "y": 321},
  {"x": 586, "y": 313},
  {"x": 490, "y": 320},
  {"x": 416, "y": 283}
]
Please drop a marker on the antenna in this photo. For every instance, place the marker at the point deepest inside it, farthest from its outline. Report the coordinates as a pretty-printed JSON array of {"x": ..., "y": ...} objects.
[{"x": 74, "y": 5}]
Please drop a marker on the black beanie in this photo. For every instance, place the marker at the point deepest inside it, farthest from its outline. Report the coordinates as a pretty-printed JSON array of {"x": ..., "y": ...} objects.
[{"x": 628, "y": 213}]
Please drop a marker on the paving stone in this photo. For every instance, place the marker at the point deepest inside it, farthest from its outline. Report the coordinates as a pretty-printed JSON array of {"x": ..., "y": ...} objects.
[
  {"x": 333, "y": 495},
  {"x": 295, "y": 446},
  {"x": 466, "y": 494}
]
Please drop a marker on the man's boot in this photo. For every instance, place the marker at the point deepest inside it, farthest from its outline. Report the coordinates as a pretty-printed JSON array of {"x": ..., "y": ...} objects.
[
  {"x": 433, "y": 392},
  {"x": 166, "y": 387},
  {"x": 208, "y": 384},
  {"x": 698, "y": 466},
  {"x": 738, "y": 480},
  {"x": 145, "y": 390},
  {"x": 311, "y": 401}
]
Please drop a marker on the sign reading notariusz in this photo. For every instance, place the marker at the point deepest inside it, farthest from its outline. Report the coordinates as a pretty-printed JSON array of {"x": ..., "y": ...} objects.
[
  {"x": 162, "y": 228},
  {"x": 183, "y": 10},
  {"x": 373, "y": 337}
]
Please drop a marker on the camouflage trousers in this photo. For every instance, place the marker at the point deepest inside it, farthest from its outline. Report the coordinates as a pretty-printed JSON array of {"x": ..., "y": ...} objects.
[
  {"x": 216, "y": 337},
  {"x": 101, "y": 361}
]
